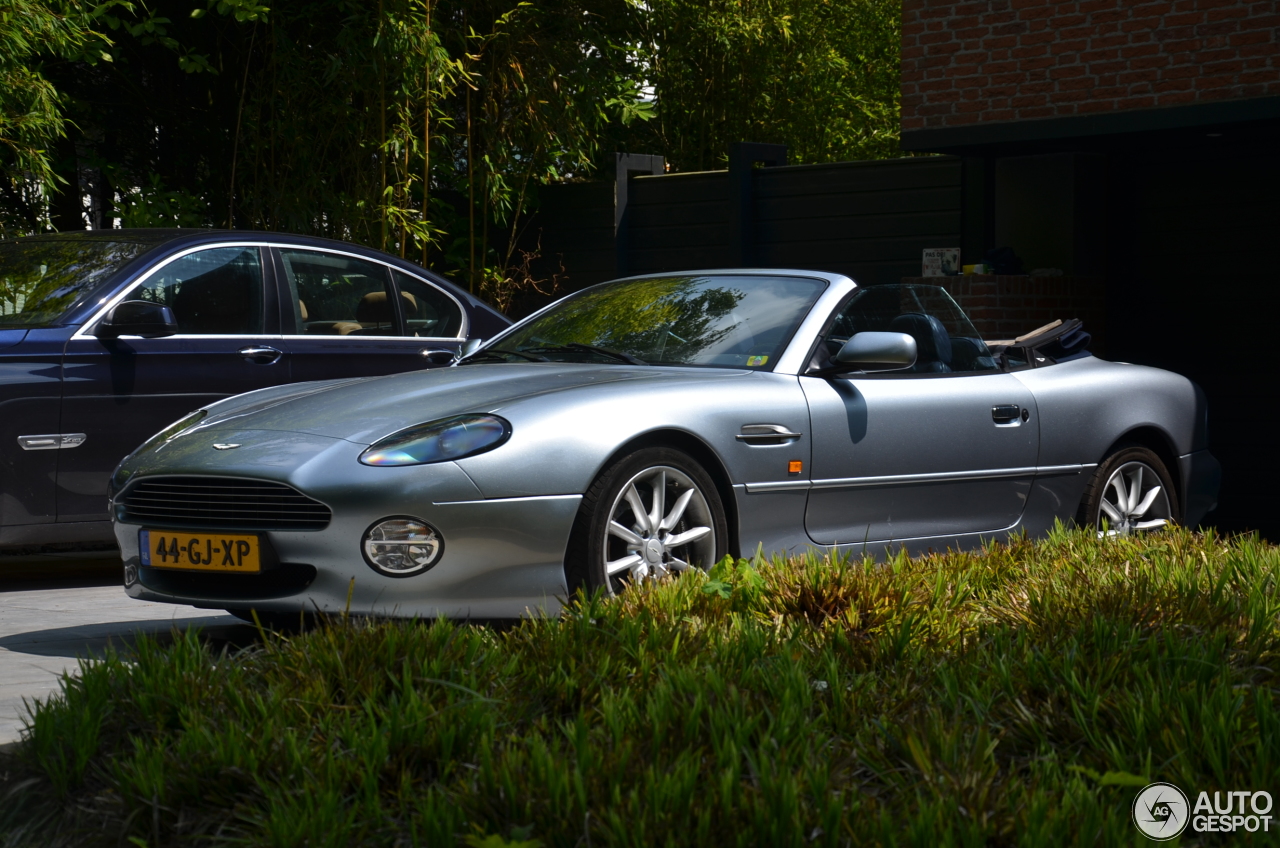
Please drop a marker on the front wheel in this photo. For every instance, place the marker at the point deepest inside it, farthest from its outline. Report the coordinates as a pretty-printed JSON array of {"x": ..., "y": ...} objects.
[
  {"x": 1130, "y": 492},
  {"x": 652, "y": 513}
]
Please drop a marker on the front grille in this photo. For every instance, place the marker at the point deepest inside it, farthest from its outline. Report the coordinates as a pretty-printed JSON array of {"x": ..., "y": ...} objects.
[{"x": 220, "y": 502}]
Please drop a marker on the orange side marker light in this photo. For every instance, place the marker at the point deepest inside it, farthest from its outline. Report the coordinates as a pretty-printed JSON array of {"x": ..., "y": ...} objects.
[{"x": 795, "y": 466}]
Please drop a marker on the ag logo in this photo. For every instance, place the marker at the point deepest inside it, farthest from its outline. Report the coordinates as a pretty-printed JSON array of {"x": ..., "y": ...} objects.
[{"x": 1161, "y": 811}]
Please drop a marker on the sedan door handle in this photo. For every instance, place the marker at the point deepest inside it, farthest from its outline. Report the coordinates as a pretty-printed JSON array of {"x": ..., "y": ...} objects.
[
  {"x": 1005, "y": 413},
  {"x": 261, "y": 354},
  {"x": 766, "y": 434}
]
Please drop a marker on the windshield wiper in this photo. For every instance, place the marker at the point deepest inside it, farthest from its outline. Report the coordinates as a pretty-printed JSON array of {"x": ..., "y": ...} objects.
[
  {"x": 602, "y": 351},
  {"x": 498, "y": 353}
]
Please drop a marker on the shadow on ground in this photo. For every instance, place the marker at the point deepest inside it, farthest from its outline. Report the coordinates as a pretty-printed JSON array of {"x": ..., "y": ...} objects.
[{"x": 91, "y": 640}]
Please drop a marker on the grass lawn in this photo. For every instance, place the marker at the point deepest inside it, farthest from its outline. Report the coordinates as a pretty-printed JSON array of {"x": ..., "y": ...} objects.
[{"x": 1018, "y": 695}]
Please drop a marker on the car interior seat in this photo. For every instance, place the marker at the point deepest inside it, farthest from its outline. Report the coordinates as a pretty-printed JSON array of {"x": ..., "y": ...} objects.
[
  {"x": 933, "y": 345},
  {"x": 375, "y": 316}
]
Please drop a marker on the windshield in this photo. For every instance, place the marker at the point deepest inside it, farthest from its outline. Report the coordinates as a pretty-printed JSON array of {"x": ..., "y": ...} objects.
[
  {"x": 735, "y": 321},
  {"x": 41, "y": 279}
]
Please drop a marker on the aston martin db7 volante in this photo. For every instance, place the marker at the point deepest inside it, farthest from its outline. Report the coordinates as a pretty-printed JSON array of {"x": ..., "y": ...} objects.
[{"x": 647, "y": 426}]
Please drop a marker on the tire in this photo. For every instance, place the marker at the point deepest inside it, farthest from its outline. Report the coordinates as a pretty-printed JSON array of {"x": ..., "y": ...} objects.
[
  {"x": 1110, "y": 494},
  {"x": 613, "y": 543}
]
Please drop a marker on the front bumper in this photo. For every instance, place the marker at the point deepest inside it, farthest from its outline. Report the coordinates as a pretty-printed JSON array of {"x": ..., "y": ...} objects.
[{"x": 502, "y": 558}]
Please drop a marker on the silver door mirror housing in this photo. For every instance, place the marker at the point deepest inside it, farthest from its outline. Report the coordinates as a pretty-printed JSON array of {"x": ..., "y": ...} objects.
[
  {"x": 875, "y": 351},
  {"x": 138, "y": 318},
  {"x": 469, "y": 347}
]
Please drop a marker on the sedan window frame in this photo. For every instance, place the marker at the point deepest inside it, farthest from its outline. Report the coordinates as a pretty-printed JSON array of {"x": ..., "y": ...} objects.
[
  {"x": 270, "y": 308},
  {"x": 284, "y": 293}
]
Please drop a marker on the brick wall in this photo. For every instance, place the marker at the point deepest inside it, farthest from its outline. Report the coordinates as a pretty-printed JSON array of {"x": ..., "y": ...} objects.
[
  {"x": 1007, "y": 60},
  {"x": 1006, "y": 307}
]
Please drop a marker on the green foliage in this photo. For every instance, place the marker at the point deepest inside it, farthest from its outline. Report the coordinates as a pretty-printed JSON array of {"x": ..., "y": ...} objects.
[
  {"x": 821, "y": 76},
  {"x": 30, "y": 117},
  {"x": 1017, "y": 694},
  {"x": 423, "y": 127},
  {"x": 150, "y": 205}
]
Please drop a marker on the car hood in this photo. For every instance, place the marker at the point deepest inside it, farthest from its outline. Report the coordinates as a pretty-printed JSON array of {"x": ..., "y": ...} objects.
[{"x": 365, "y": 410}]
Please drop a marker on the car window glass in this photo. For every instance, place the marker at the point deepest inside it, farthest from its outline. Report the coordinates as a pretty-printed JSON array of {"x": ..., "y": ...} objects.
[
  {"x": 336, "y": 295},
  {"x": 946, "y": 340},
  {"x": 42, "y": 279},
  {"x": 428, "y": 312},
  {"x": 215, "y": 291},
  {"x": 716, "y": 320}
]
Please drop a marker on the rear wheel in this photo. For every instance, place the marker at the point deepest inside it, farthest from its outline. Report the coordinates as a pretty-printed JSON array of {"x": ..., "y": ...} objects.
[
  {"x": 1130, "y": 492},
  {"x": 652, "y": 513}
]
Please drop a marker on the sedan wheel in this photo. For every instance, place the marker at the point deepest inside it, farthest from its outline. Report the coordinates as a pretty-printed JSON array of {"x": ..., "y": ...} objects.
[
  {"x": 1130, "y": 492},
  {"x": 653, "y": 513}
]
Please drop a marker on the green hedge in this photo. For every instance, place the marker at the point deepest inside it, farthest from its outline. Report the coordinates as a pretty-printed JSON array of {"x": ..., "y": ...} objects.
[{"x": 1020, "y": 694}]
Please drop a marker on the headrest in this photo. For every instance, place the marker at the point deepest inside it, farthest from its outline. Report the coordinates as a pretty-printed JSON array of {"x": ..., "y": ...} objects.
[
  {"x": 373, "y": 308},
  {"x": 932, "y": 341},
  {"x": 302, "y": 310}
]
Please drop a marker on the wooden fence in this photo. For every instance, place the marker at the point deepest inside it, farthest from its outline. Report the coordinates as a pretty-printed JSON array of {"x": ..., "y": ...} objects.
[{"x": 869, "y": 220}]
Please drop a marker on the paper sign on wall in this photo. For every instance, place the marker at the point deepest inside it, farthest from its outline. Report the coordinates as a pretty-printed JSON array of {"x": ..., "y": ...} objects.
[{"x": 941, "y": 262}]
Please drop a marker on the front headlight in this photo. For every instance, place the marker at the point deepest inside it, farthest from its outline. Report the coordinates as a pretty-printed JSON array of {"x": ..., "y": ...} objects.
[{"x": 439, "y": 441}]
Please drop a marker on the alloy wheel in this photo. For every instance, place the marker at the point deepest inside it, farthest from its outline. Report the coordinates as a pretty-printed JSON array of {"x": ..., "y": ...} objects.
[
  {"x": 659, "y": 524},
  {"x": 1133, "y": 499}
]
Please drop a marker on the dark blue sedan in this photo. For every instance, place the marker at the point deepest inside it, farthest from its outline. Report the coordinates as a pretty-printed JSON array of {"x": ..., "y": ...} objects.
[{"x": 108, "y": 336}]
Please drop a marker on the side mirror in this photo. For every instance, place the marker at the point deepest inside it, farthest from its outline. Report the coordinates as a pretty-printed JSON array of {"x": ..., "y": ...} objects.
[
  {"x": 138, "y": 318},
  {"x": 439, "y": 356},
  {"x": 469, "y": 347},
  {"x": 872, "y": 351}
]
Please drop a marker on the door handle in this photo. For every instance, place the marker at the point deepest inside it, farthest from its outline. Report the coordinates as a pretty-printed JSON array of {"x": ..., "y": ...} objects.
[
  {"x": 261, "y": 354},
  {"x": 766, "y": 434},
  {"x": 1005, "y": 413}
]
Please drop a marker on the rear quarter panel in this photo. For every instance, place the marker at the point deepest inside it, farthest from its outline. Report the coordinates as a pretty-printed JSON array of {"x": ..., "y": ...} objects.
[{"x": 1085, "y": 406}]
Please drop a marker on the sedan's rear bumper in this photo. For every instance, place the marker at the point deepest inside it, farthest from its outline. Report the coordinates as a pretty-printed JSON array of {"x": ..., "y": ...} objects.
[{"x": 1201, "y": 478}]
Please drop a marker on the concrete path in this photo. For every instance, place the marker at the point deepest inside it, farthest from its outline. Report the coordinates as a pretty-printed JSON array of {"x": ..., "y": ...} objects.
[{"x": 55, "y": 609}]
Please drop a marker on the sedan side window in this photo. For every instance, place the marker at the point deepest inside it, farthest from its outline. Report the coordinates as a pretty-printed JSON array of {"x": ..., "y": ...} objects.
[
  {"x": 428, "y": 312},
  {"x": 211, "y": 292},
  {"x": 337, "y": 295},
  {"x": 946, "y": 341}
]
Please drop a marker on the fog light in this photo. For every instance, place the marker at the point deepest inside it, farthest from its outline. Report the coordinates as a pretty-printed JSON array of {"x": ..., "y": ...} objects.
[{"x": 402, "y": 547}]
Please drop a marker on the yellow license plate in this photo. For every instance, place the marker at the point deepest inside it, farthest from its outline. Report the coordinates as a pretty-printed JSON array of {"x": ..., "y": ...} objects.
[{"x": 226, "y": 552}]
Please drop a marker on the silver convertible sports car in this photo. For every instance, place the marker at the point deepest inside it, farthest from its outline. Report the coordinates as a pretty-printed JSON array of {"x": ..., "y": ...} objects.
[{"x": 650, "y": 425}]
